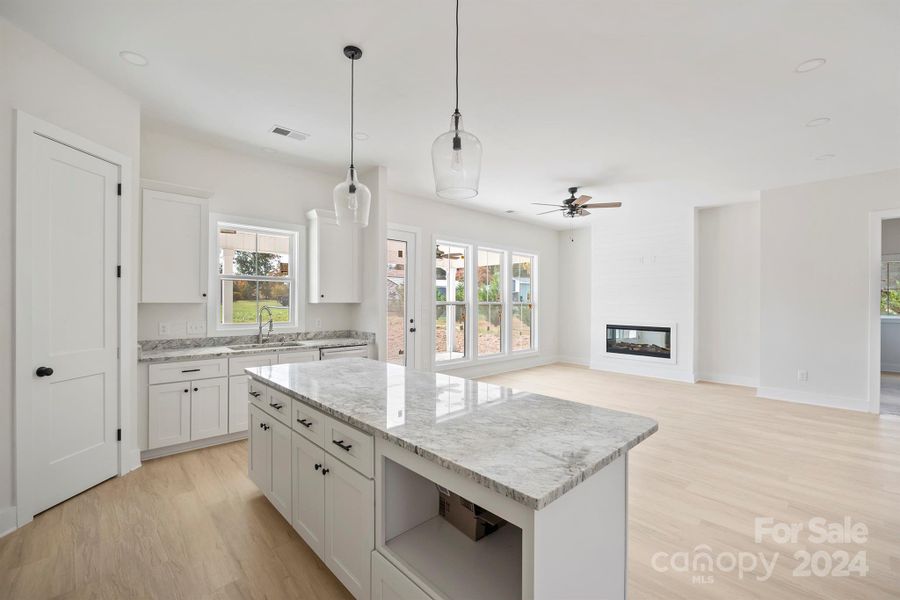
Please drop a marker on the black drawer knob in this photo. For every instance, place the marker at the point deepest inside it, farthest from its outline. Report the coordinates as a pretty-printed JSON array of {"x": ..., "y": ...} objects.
[
  {"x": 318, "y": 466},
  {"x": 325, "y": 471}
]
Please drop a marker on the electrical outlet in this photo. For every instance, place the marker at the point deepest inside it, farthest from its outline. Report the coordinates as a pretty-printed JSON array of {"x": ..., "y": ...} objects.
[
  {"x": 802, "y": 376},
  {"x": 165, "y": 328},
  {"x": 196, "y": 327},
  {"x": 318, "y": 323}
]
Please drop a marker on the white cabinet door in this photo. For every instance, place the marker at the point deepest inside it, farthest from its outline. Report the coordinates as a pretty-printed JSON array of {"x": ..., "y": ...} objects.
[
  {"x": 238, "y": 389},
  {"x": 388, "y": 583},
  {"x": 297, "y": 357},
  {"x": 280, "y": 492},
  {"x": 334, "y": 258},
  {"x": 349, "y": 526},
  {"x": 169, "y": 414},
  {"x": 209, "y": 408},
  {"x": 174, "y": 250},
  {"x": 309, "y": 493},
  {"x": 260, "y": 459}
]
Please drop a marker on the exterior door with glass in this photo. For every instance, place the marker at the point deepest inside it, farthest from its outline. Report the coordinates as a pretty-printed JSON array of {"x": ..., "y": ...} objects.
[{"x": 401, "y": 306}]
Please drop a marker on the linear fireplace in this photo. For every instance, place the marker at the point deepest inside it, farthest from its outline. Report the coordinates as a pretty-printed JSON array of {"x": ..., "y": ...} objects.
[{"x": 639, "y": 340}]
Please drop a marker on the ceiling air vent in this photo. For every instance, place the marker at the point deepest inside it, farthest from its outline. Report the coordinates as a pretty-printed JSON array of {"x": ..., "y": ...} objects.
[{"x": 290, "y": 133}]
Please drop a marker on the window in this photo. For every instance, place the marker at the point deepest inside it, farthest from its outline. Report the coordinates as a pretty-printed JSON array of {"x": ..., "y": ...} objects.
[
  {"x": 490, "y": 302},
  {"x": 890, "y": 285},
  {"x": 522, "y": 302},
  {"x": 502, "y": 301},
  {"x": 256, "y": 268},
  {"x": 450, "y": 301}
]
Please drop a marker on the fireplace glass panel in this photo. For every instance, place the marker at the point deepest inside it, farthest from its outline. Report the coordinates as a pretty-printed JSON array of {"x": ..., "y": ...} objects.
[{"x": 639, "y": 340}]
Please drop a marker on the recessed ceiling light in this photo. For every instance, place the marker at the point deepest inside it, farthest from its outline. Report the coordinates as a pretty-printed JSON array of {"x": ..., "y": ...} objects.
[
  {"x": 138, "y": 60},
  {"x": 360, "y": 136},
  {"x": 825, "y": 157},
  {"x": 810, "y": 65},
  {"x": 818, "y": 122},
  {"x": 509, "y": 212}
]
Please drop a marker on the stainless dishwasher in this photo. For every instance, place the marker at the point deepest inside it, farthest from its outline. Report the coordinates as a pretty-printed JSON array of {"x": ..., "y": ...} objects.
[{"x": 346, "y": 351}]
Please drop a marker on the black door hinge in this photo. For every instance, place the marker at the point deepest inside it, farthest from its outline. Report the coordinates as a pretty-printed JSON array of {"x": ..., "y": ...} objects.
[
  {"x": 119, "y": 189},
  {"x": 118, "y": 270},
  {"x": 118, "y": 435}
]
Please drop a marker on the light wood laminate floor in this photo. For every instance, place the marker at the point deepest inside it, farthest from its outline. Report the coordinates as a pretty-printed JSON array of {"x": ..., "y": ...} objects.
[{"x": 193, "y": 526}]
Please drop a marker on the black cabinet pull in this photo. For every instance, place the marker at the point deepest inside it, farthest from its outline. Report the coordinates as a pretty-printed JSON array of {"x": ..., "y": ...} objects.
[
  {"x": 43, "y": 371},
  {"x": 254, "y": 394},
  {"x": 189, "y": 370},
  {"x": 278, "y": 406},
  {"x": 305, "y": 423},
  {"x": 325, "y": 471},
  {"x": 196, "y": 389},
  {"x": 341, "y": 444},
  {"x": 187, "y": 391},
  {"x": 318, "y": 466}
]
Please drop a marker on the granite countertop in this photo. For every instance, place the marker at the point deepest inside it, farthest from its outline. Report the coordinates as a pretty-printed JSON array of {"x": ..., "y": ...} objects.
[
  {"x": 201, "y": 352},
  {"x": 527, "y": 447}
]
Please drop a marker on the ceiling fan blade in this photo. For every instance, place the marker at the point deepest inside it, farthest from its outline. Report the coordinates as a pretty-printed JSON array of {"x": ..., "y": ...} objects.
[
  {"x": 583, "y": 213},
  {"x": 551, "y": 211},
  {"x": 603, "y": 205},
  {"x": 582, "y": 200},
  {"x": 545, "y": 204}
]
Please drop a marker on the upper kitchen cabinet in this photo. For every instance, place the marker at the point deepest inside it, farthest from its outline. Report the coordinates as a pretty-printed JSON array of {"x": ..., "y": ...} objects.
[
  {"x": 334, "y": 261},
  {"x": 174, "y": 245}
]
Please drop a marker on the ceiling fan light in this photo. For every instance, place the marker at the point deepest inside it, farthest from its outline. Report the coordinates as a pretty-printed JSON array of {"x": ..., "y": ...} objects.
[{"x": 456, "y": 160}]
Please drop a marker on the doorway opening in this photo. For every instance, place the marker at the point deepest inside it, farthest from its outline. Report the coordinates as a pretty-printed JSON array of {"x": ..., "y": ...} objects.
[{"x": 889, "y": 318}]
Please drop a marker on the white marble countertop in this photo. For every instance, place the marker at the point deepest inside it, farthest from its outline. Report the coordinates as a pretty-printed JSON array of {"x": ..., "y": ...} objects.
[
  {"x": 201, "y": 352},
  {"x": 528, "y": 447}
]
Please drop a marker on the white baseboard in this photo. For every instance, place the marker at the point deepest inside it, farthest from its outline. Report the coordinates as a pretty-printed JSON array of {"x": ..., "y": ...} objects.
[
  {"x": 188, "y": 446},
  {"x": 814, "y": 398},
  {"x": 8, "y": 521},
  {"x": 583, "y": 361},
  {"x": 729, "y": 379}
]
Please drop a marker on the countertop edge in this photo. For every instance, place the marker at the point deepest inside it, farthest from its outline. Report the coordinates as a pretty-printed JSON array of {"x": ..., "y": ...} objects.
[
  {"x": 531, "y": 502},
  {"x": 228, "y": 353}
]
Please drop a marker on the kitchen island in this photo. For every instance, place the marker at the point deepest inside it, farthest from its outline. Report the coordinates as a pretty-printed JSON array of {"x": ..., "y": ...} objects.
[{"x": 355, "y": 454}]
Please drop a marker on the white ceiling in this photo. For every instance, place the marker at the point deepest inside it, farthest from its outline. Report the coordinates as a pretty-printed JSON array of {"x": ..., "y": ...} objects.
[{"x": 613, "y": 95}]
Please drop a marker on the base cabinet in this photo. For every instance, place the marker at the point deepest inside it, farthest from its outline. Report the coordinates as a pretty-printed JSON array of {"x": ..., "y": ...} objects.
[
  {"x": 169, "y": 414},
  {"x": 349, "y": 525},
  {"x": 309, "y": 493},
  {"x": 269, "y": 463},
  {"x": 209, "y": 408},
  {"x": 259, "y": 461},
  {"x": 388, "y": 583}
]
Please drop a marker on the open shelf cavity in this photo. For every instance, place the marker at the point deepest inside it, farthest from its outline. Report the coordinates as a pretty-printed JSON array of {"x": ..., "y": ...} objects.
[{"x": 433, "y": 550}]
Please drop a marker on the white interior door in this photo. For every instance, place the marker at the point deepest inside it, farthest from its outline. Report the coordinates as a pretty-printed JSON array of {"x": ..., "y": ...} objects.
[
  {"x": 401, "y": 298},
  {"x": 74, "y": 321}
]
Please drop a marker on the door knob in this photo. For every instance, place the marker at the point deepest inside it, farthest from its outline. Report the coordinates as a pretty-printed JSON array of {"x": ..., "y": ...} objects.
[{"x": 43, "y": 372}]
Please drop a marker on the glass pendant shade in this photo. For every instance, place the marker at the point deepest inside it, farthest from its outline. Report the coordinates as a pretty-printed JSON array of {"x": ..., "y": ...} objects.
[
  {"x": 456, "y": 159},
  {"x": 352, "y": 201}
]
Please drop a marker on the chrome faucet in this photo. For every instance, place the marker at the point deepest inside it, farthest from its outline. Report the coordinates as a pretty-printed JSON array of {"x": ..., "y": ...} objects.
[{"x": 260, "y": 321}]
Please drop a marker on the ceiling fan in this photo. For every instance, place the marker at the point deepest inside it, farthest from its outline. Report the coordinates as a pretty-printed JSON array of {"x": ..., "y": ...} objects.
[{"x": 576, "y": 207}]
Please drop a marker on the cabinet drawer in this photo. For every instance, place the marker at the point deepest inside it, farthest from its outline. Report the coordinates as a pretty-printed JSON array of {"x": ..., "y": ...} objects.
[
  {"x": 280, "y": 406},
  {"x": 351, "y": 445},
  {"x": 257, "y": 393},
  {"x": 188, "y": 370},
  {"x": 237, "y": 365},
  {"x": 309, "y": 423},
  {"x": 297, "y": 357},
  {"x": 389, "y": 583}
]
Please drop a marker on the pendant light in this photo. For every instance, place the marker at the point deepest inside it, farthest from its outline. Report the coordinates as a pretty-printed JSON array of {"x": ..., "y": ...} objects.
[
  {"x": 352, "y": 198},
  {"x": 456, "y": 154}
]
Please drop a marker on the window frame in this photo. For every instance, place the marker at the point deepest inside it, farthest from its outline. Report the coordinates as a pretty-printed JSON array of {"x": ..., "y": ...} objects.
[
  {"x": 502, "y": 303},
  {"x": 465, "y": 302},
  {"x": 296, "y": 279},
  {"x": 472, "y": 358}
]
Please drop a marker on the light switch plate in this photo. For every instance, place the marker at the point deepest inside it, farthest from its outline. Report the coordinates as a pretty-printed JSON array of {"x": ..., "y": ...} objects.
[{"x": 196, "y": 327}]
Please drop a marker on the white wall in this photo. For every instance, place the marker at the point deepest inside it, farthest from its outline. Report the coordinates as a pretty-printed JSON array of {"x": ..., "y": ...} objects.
[
  {"x": 244, "y": 185},
  {"x": 728, "y": 294},
  {"x": 642, "y": 273},
  {"x": 815, "y": 297},
  {"x": 445, "y": 221},
  {"x": 575, "y": 296},
  {"x": 369, "y": 315},
  {"x": 42, "y": 82}
]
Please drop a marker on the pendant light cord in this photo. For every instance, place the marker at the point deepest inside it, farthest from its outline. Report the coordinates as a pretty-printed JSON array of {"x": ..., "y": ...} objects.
[
  {"x": 457, "y": 57},
  {"x": 352, "y": 80}
]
